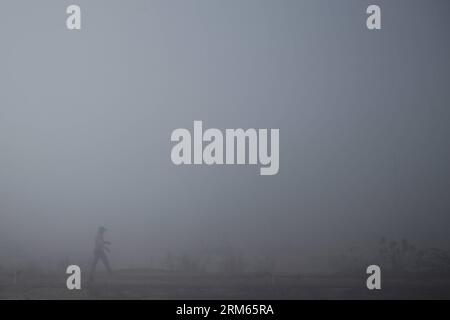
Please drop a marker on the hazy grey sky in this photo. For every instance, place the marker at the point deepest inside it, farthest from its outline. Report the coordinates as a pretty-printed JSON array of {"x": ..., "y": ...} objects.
[{"x": 86, "y": 118}]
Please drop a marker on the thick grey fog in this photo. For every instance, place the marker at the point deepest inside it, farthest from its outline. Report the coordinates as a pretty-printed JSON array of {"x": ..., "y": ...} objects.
[{"x": 86, "y": 119}]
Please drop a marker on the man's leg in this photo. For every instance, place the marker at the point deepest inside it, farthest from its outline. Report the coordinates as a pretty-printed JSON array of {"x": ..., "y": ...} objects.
[
  {"x": 94, "y": 264},
  {"x": 105, "y": 261}
]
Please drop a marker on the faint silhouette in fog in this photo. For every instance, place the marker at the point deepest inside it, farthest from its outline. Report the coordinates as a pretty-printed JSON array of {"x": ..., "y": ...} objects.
[{"x": 101, "y": 247}]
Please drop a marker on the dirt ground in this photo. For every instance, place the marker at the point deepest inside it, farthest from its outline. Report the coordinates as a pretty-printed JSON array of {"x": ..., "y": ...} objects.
[{"x": 159, "y": 284}]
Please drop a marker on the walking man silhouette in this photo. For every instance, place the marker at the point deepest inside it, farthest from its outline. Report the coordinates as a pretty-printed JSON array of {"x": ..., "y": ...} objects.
[{"x": 101, "y": 247}]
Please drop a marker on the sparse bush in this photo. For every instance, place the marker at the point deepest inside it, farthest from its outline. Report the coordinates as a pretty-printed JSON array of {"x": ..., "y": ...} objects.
[
  {"x": 401, "y": 257},
  {"x": 189, "y": 264},
  {"x": 265, "y": 265},
  {"x": 232, "y": 264},
  {"x": 169, "y": 263}
]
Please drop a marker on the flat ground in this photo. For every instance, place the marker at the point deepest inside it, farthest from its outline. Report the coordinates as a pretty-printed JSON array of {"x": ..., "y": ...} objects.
[{"x": 158, "y": 284}]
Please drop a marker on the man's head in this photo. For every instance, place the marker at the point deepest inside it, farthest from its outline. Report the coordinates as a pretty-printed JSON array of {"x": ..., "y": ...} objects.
[{"x": 101, "y": 230}]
